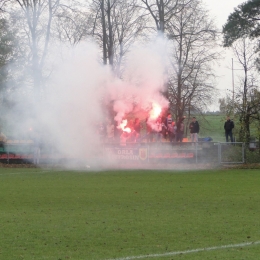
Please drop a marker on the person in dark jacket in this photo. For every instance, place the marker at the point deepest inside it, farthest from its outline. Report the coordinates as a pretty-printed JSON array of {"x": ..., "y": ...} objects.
[
  {"x": 228, "y": 126},
  {"x": 168, "y": 126},
  {"x": 194, "y": 130},
  {"x": 180, "y": 130}
]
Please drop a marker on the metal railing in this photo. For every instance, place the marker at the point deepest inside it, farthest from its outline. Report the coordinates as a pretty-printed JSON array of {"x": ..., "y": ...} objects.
[
  {"x": 231, "y": 153},
  {"x": 161, "y": 152}
]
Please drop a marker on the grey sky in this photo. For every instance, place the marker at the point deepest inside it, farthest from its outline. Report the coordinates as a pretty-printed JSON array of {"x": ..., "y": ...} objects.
[{"x": 220, "y": 10}]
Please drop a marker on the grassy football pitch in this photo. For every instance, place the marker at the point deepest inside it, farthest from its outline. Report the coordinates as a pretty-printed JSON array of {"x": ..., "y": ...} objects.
[{"x": 211, "y": 214}]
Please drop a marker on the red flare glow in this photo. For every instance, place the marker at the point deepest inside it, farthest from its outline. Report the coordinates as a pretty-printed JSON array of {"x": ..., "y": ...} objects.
[
  {"x": 123, "y": 126},
  {"x": 127, "y": 129},
  {"x": 156, "y": 111}
]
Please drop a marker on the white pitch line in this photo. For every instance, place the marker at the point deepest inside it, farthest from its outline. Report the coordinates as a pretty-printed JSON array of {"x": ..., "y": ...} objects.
[{"x": 187, "y": 251}]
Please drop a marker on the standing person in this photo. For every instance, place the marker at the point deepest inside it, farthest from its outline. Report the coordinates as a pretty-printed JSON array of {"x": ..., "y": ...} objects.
[
  {"x": 149, "y": 132},
  {"x": 159, "y": 129},
  {"x": 164, "y": 126},
  {"x": 168, "y": 125},
  {"x": 137, "y": 129},
  {"x": 171, "y": 131},
  {"x": 180, "y": 130},
  {"x": 194, "y": 130},
  {"x": 228, "y": 126}
]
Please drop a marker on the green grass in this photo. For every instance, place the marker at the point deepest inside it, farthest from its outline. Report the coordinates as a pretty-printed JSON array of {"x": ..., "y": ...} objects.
[
  {"x": 104, "y": 215},
  {"x": 213, "y": 126}
]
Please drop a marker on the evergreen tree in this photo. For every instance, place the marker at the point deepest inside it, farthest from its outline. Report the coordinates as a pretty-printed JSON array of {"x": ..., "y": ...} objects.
[{"x": 243, "y": 22}]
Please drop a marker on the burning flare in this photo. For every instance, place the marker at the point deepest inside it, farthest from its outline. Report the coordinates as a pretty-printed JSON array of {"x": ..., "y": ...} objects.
[
  {"x": 155, "y": 112},
  {"x": 123, "y": 126}
]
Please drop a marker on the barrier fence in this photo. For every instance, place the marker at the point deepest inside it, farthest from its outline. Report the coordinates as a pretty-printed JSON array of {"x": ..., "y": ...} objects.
[{"x": 138, "y": 153}]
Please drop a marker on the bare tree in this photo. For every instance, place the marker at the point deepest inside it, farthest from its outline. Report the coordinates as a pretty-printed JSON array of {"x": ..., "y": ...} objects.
[
  {"x": 2, "y": 5},
  {"x": 117, "y": 24},
  {"x": 129, "y": 26},
  {"x": 35, "y": 19},
  {"x": 222, "y": 105},
  {"x": 194, "y": 38},
  {"x": 73, "y": 25},
  {"x": 246, "y": 103},
  {"x": 102, "y": 27},
  {"x": 162, "y": 11}
]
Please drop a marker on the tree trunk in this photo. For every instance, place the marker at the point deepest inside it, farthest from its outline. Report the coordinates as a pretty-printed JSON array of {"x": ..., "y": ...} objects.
[
  {"x": 161, "y": 16},
  {"x": 104, "y": 38},
  {"x": 110, "y": 35}
]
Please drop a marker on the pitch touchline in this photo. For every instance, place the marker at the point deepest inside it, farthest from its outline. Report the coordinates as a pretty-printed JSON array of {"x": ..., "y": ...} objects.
[{"x": 187, "y": 251}]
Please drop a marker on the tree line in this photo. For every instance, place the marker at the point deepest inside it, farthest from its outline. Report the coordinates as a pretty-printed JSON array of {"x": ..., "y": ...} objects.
[
  {"x": 241, "y": 33},
  {"x": 30, "y": 28}
]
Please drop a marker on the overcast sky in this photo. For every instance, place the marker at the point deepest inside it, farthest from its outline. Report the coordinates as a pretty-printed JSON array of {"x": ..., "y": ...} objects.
[{"x": 220, "y": 10}]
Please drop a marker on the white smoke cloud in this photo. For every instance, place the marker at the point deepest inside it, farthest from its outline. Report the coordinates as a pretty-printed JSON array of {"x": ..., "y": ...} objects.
[
  {"x": 82, "y": 87},
  {"x": 75, "y": 98},
  {"x": 144, "y": 76}
]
